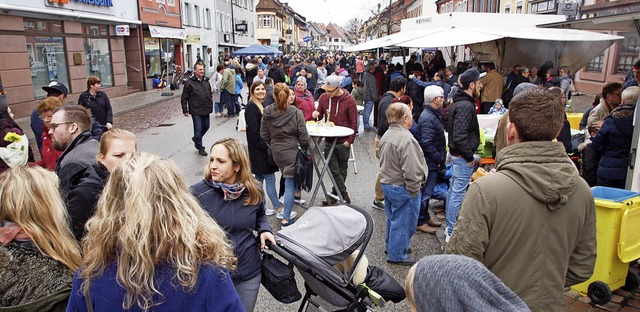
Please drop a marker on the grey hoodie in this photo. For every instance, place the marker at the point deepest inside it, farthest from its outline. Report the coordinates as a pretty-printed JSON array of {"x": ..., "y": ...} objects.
[
  {"x": 532, "y": 223},
  {"x": 284, "y": 132}
]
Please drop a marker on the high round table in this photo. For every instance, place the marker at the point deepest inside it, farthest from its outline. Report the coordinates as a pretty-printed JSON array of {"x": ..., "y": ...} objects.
[{"x": 317, "y": 133}]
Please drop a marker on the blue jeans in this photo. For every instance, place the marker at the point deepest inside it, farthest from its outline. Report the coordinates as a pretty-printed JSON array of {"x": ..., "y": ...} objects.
[
  {"x": 289, "y": 196},
  {"x": 270, "y": 184},
  {"x": 427, "y": 189},
  {"x": 402, "y": 216},
  {"x": 368, "y": 108},
  {"x": 200, "y": 127},
  {"x": 228, "y": 101},
  {"x": 217, "y": 107},
  {"x": 248, "y": 292},
  {"x": 461, "y": 175}
]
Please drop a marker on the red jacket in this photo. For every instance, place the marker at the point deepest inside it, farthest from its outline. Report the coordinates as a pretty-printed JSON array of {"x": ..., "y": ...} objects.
[
  {"x": 343, "y": 113},
  {"x": 306, "y": 104},
  {"x": 49, "y": 155}
]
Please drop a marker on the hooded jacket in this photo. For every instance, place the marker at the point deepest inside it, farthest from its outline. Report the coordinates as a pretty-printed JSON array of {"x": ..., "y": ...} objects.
[
  {"x": 431, "y": 138},
  {"x": 343, "y": 113},
  {"x": 464, "y": 130},
  {"x": 284, "y": 132},
  {"x": 532, "y": 223}
]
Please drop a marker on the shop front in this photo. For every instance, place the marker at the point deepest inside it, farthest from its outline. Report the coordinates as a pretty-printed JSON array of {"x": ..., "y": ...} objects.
[
  {"x": 162, "y": 46},
  {"x": 54, "y": 42}
]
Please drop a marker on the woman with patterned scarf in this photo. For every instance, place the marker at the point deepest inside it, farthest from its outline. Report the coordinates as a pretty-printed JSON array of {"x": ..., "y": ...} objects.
[
  {"x": 38, "y": 253},
  {"x": 235, "y": 200}
]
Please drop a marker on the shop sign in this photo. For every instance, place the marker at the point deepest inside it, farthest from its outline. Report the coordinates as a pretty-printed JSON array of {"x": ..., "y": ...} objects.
[
  {"x": 122, "y": 30},
  {"x": 192, "y": 38},
  {"x": 106, "y": 3}
]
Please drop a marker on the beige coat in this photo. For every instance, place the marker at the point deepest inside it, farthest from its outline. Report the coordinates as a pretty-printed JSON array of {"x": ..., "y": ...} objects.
[
  {"x": 532, "y": 223},
  {"x": 401, "y": 160}
]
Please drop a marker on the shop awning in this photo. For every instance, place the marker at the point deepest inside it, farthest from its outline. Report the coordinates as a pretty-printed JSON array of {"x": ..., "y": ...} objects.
[
  {"x": 70, "y": 14},
  {"x": 166, "y": 32}
]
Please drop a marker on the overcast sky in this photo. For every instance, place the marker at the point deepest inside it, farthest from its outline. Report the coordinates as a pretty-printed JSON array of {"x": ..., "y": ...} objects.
[{"x": 335, "y": 11}]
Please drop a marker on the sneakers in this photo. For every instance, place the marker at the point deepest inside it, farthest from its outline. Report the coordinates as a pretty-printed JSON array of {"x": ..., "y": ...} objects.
[
  {"x": 269, "y": 211},
  {"x": 378, "y": 204},
  {"x": 447, "y": 237},
  {"x": 202, "y": 152},
  {"x": 280, "y": 214}
]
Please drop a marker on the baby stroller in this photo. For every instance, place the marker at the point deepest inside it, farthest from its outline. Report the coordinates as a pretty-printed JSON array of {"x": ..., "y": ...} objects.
[{"x": 327, "y": 247}]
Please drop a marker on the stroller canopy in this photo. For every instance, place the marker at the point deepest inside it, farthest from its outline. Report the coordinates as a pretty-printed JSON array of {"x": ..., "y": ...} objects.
[{"x": 331, "y": 233}]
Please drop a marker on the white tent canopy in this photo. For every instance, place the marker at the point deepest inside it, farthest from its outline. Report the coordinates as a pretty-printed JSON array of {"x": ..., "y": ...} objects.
[{"x": 506, "y": 40}]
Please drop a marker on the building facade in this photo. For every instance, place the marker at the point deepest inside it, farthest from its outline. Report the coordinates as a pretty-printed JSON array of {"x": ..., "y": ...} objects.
[
  {"x": 200, "y": 41},
  {"x": 514, "y": 6},
  {"x": 270, "y": 17},
  {"x": 65, "y": 41},
  {"x": 162, "y": 37},
  {"x": 615, "y": 62},
  {"x": 235, "y": 25}
]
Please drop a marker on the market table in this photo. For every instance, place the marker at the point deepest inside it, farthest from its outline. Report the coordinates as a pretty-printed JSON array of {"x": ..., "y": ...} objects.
[{"x": 317, "y": 133}]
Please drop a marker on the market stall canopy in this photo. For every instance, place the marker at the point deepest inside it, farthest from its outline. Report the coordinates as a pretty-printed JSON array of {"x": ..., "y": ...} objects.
[
  {"x": 256, "y": 49},
  {"x": 535, "y": 46},
  {"x": 507, "y": 40},
  {"x": 442, "y": 28}
]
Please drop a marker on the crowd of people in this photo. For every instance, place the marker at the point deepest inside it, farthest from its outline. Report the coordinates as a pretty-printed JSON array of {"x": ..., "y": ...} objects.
[{"x": 96, "y": 225}]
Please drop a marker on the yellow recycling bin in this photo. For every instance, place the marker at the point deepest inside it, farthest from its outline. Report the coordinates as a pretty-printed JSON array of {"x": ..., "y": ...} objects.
[{"x": 618, "y": 237}]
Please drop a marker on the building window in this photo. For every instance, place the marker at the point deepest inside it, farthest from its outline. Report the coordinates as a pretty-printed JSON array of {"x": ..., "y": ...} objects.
[
  {"x": 97, "y": 53},
  {"x": 187, "y": 14},
  {"x": 207, "y": 21},
  {"x": 596, "y": 64},
  {"x": 219, "y": 21},
  {"x": 628, "y": 52},
  {"x": 265, "y": 21},
  {"x": 46, "y": 52},
  {"x": 196, "y": 11}
]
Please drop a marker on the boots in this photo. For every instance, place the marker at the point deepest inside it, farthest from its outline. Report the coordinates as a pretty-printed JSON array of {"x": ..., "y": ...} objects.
[{"x": 332, "y": 201}]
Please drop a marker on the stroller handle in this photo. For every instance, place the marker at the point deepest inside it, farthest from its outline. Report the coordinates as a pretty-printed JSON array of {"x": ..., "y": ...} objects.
[{"x": 287, "y": 255}]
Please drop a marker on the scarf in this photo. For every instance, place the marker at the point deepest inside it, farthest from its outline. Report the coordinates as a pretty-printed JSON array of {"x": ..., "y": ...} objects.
[
  {"x": 10, "y": 231},
  {"x": 231, "y": 191}
]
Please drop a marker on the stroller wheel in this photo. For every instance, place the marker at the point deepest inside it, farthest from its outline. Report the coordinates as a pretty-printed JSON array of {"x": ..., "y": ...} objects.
[{"x": 357, "y": 307}]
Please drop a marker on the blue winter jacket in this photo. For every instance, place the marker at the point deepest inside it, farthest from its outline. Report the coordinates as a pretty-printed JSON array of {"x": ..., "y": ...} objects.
[
  {"x": 214, "y": 292},
  {"x": 613, "y": 143},
  {"x": 239, "y": 84},
  {"x": 239, "y": 222},
  {"x": 431, "y": 138}
]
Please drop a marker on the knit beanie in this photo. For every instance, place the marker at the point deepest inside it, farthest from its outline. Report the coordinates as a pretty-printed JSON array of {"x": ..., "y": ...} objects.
[
  {"x": 459, "y": 283},
  {"x": 523, "y": 86}
]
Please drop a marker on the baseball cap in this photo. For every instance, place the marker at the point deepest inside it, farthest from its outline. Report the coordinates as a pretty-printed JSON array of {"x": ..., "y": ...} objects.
[
  {"x": 331, "y": 83},
  {"x": 470, "y": 75},
  {"x": 58, "y": 87}
]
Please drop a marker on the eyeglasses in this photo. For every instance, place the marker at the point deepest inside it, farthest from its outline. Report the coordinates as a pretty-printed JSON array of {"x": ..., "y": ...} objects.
[{"x": 55, "y": 125}]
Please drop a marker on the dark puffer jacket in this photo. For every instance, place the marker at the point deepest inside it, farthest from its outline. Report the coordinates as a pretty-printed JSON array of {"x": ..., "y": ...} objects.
[
  {"x": 31, "y": 281},
  {"x": 464, "y": 130},
  {"x": 416, "y": 93},
  {"x": 239, "y": 222},
  {"x": 197, "y": 97},
  {"x": 613, "y": 143},
  {"x": 99, "y": 105},
  {"x": 431, "y": 138}
]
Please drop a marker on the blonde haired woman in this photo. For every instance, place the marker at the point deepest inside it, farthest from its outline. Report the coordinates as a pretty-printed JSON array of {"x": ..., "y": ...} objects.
[
  {"x": 235, "y": 200},
  {"x": 283, "y": 127},
  {"x": 150, "y": 246},
  {"x": 38, "y": 253},
  {"x": 115, "y": 146}
]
